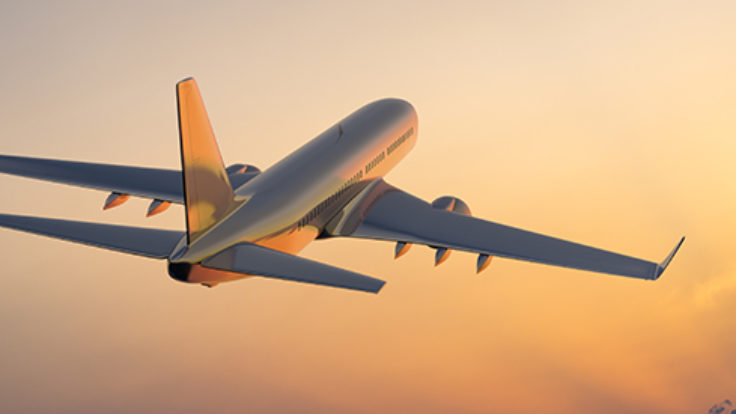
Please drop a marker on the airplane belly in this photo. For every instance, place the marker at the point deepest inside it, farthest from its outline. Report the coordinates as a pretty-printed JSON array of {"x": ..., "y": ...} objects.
[{"x": 212, "y": 277}]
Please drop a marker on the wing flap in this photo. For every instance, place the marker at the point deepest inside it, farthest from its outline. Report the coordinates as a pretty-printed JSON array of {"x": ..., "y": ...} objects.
[
  {"x": 153, "y": 243},
  {"x": 398, "y": 216},
  {"x": 252, "y": 259}
]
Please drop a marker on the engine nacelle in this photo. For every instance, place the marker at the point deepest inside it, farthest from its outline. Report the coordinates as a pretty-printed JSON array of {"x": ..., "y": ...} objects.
[
  {"x": 115, "y": 199},
  {"x": 401, "y": 249},
  {"x": 483, "y": 261},
  {"x": 157, "y": 206},
  {"x": 241, "y": 169},
  {"x": 453, "y": 204},
  {"x": 240, "y": 174}
]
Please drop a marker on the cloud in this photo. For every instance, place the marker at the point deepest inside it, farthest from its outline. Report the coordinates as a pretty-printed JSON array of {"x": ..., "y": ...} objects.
[{"x": 712, "y": 292}]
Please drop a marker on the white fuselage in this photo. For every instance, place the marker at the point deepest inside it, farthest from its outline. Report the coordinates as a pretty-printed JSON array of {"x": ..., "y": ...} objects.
[{"x": 288, "y": 205}]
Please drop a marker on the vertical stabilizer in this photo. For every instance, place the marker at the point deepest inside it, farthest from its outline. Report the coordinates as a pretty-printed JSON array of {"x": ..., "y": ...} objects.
[{"x": 208, "y": 195}]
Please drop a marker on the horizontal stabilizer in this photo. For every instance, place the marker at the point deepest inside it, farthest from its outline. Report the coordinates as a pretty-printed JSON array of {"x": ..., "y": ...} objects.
[
  {"x": 252, "y": 259},
  {"x": 134, "y": 240}
]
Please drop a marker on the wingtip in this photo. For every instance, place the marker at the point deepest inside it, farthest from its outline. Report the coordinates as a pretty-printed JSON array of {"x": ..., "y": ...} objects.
[{"x": 666, "y": 262}]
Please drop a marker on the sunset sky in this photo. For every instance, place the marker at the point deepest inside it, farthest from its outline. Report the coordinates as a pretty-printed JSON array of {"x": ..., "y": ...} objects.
[{"x": 608, "y": 123}]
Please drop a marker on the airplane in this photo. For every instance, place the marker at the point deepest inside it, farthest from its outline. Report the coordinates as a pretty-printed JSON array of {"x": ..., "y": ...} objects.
[{"x": 243, "y": 222}]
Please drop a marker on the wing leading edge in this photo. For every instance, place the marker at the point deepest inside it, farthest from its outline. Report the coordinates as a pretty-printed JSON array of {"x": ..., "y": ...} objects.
[{"x": 388, "y": 213}]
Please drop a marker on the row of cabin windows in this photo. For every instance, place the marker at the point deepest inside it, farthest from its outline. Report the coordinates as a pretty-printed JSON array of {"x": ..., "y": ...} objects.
[
  {"x": 391, "y": 148},
  {"x": 357, "y": 177},
  {"x": 331, "y": 199},
  {"x": 400, "y": 140},
  {"x": 374, "y": 162}
]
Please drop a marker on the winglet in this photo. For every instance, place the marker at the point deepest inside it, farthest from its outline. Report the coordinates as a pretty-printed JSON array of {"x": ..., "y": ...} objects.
[{"x": 662, "y": 266}]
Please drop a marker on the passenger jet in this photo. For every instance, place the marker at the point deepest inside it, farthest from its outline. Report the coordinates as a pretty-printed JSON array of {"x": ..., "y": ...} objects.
[{"x": 243, "y": 222}]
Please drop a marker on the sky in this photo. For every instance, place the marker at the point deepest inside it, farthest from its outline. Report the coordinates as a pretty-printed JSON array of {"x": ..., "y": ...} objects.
[{"x": 607, "y": 123}]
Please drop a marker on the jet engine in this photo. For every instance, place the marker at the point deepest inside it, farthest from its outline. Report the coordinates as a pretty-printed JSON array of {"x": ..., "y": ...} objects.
[
  {"x": 240, "y": 174},
  {"x": 241, "y": 169},
  {"x": 455, "y": 205}
]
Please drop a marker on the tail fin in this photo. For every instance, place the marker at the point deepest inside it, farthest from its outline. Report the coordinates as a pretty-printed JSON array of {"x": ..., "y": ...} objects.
[{"x": 208, "y": 195}]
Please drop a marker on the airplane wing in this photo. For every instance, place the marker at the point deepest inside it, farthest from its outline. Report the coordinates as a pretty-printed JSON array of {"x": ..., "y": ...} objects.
[
  {"x": 252, "y": 259},
  {"x": 153, "y": 243},
  {"x": 153, "y": 183},
  {"x": 384, "y": 212}
]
